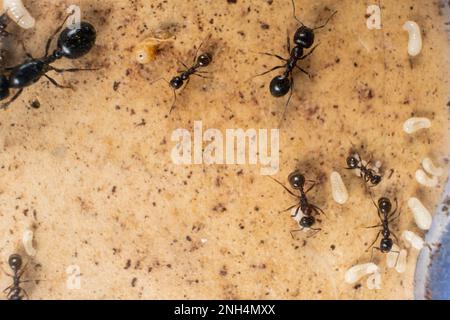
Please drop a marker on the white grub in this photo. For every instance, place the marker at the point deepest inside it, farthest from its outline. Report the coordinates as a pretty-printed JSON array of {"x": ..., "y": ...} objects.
[
  {"x": 413, "y": 239},
  {"x": 430, "y": 168},
  {"x": 421, "y": 214},
  {"x": 425, "y": 180},
  {"x": 355, "y": 273},
  {"x": 401, "y": 261},
  {"x": 392, "y": 256},
  {"x": 18, "y": 13},
  {"x": 414, "y": 124},
  {"x": 374, "y": 281},
  {"x": 27, "y": 240},
  {"x": 415, "y": 38},
  {"x": 339, "y": 191}
]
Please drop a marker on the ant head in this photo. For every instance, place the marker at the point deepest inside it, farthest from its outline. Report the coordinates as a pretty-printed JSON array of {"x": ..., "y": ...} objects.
[
  {"x": 352, "y": 162},
  {"x": 76, "y": 42},
  {"x": 204, "y": 59},
  {"x": 176, "y": 82},
  {"x": 280, "y": 86},
  {"x": 385, "y": 205},
  {"x": 375, "y": 179},
  {"x": 307, "y": 221},
  {"x": 304, "y": 37},
  {"x": 4, "y": 87},
  {"x": 15, "y": 262},
  {"x": 296, "y": 180},
  {"x": 386, "y": 245}
]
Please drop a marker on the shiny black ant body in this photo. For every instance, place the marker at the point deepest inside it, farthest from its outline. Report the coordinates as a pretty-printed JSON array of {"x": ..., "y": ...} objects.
[
  {"x": 368, "y": 175},
  {"x": 73, "y": 43},
  {"x": 303, "y": 39},
  {"x": 387, "y": 216},
  {"x": 15, "y": 291},
  {"x": 297, "y": 182}
]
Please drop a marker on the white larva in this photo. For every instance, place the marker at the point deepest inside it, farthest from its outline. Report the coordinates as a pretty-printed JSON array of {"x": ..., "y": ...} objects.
[
  {"x": 425, "y": 180},
  {"x": 401, "y": 262},
  {"x": 421, "y": 214},
  {"x": 357, "y": 272},
  {"x": 338, "y": 189},
  {"x": 414, "y": 124},
  {"x": 374, "y": 281},
  {"x": 430, "y": 168},
  {"x": 415, "y": 38},
  {"x": 18, "y": 13},
  {"x": 27, "y": 240},
  {"x": 413, "y": 239},
  {"x": 392, "y": 256}
]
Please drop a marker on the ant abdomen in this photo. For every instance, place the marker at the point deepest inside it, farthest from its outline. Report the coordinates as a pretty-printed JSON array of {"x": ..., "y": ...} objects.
[
  {"x": 280, "y": 86},
  {"x": 307, "y": 221},
  {"x": 74, "y": 43}
]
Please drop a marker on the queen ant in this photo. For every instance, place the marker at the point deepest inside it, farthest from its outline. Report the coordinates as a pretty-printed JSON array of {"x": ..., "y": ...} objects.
[
  {"x": 297, "y": 181},
  {"x": 303, "y": 39},
  {"x": 367, "y": 174}
]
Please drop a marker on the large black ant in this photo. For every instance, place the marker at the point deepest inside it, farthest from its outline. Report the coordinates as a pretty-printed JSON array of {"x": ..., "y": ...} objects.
[
  {"x": 297, "y": 182},
  {"x": 73, "y": 43},
  {"x": 15, "y": 291},
  {"x": 368, "y": 175},
  {"x": 183, "y": 77},
  {"x": 303, "y": 39},
  {"x": 384, "y": 209}
]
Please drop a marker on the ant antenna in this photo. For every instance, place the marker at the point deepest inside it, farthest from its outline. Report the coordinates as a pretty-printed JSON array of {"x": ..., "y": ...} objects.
[
  {"x": 174, "y": 93},
  {"x": 295, "y": 16},
  {"x": 326, "y": 22}
]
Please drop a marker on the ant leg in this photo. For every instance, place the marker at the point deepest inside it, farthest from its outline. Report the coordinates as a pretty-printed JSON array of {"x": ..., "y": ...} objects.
[
  {"x": 56, "y": 84},
  {"x": 378, "y": 209},
  {"x": 198, "y": 49},
  {"x": 326, "y": 22},
  {"x": 291, "y": 91},
  {"x": 72, "y": 69},
  {"x": 273, "y": 55},
  {"x": 174, "y": 101},
  {"x": 49, "y": 41},
  {"x": 268, "y": 71},
  {"x": 310, "y": 188},
  {"x": 315, "y": 231},
  {"x": 7, "y": 104},
  {"x": 292, "y": 232},
  {"x": 25, "y": 50},
  {"x": 288, "y": 209},
  {"x": 285, "y": 188},
  {"x": 201, "y": 76},
  {"x": 295, "y": 16},
  {"x": 318, "y": 210},
  {"x": 378, "y": 235},
  {"x": 309, "y": 53},
  {"x": 4, "y": 291},
  {"x": 288, "y": 42},
  {"x": 296, "y": 212},
  {"x": 371, "y": 255},
  {"x": 373, "y": 227},
  {"x": 396, "y": 207},
  {"x": 183, "y": 64}
]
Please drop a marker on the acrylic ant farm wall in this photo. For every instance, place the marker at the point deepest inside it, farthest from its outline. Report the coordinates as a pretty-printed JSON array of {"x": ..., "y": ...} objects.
[{"x": 90, "y": 169}]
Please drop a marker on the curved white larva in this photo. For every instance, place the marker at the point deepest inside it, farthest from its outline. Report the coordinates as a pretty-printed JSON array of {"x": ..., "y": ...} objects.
[
  {"x": 392, "y": 256},
  {"x": 18, "y": 13},
  {"x": 425, "y": 180},
  {"x": 414, "y": 124},
  {"x": 374, "y": 281},
  {"x": 415, "y": 38},
  {"x": 338, "y": 189},
  {"x": 27, "y": 240},
  {"x": 401, "y": 262},
  {"x": 413, "y": 239},
  {"x": 429, "y": 167},
  {"x": 357, "y": 272},
  {"x": 421, "y": 214}
]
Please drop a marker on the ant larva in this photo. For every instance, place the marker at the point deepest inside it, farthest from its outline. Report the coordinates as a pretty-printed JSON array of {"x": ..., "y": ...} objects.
[
  {"x": 73, "y": 43},
  {"x": 303, "y": 39},
  {"x": 387, "y": 216},
  {"x": 297, "y": 182},
  {"x": 14, "y": 291},
  {"x": 182, "y": 79},
  {"x": 355, "y": 162}
]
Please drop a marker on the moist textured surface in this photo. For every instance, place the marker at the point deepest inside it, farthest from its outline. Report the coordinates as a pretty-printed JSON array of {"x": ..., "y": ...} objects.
[{"x": 90, "y": 169}]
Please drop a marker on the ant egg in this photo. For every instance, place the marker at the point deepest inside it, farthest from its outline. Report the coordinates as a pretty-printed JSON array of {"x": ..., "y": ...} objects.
[
  {"x": 401, "y": 262},
  {"x": 415, "y": 38},
  {"x": 425, "y": 180},
  {"x": 421, "y": 214},
  {"x": 357, "y": 272},
  {"x": 414, "y": 124},
  {"x": 392, "y": 256},
  {"x": 18, "y": 13},
  {"x": 374, "y": 281},
  {"x": 413, "y": 239},
  {"x": 27, "y": 240},
  {"x": 339, "y": 191},
  {"x": 430, "y": 168}
]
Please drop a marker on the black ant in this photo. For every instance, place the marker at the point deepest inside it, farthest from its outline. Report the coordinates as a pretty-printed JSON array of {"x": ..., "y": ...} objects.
[
  {"x": 384, "y": 209},
  {"x": 14, "y": 291},
  {"x": 183, "y": 77},
  {"x": 368, "y": 175},
  {"x": 303, "y": 39},
  {"x": 297, "y": 182},
  {"x": 73, "y": 43}
]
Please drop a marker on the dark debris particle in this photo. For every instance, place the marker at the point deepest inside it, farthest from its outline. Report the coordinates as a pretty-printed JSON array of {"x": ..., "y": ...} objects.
[
  {"x": 35, "y": 104},
  {"x": 232, "y": 1},
  {"x": 128, "y": 264},
  {"x": 265, "y": 26},
  {"x": 133, "y": 282},
  {"x": 116, "y": 85},
  {"x": 332, "y": 247},
  {"x": 357, "y": 286}
]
